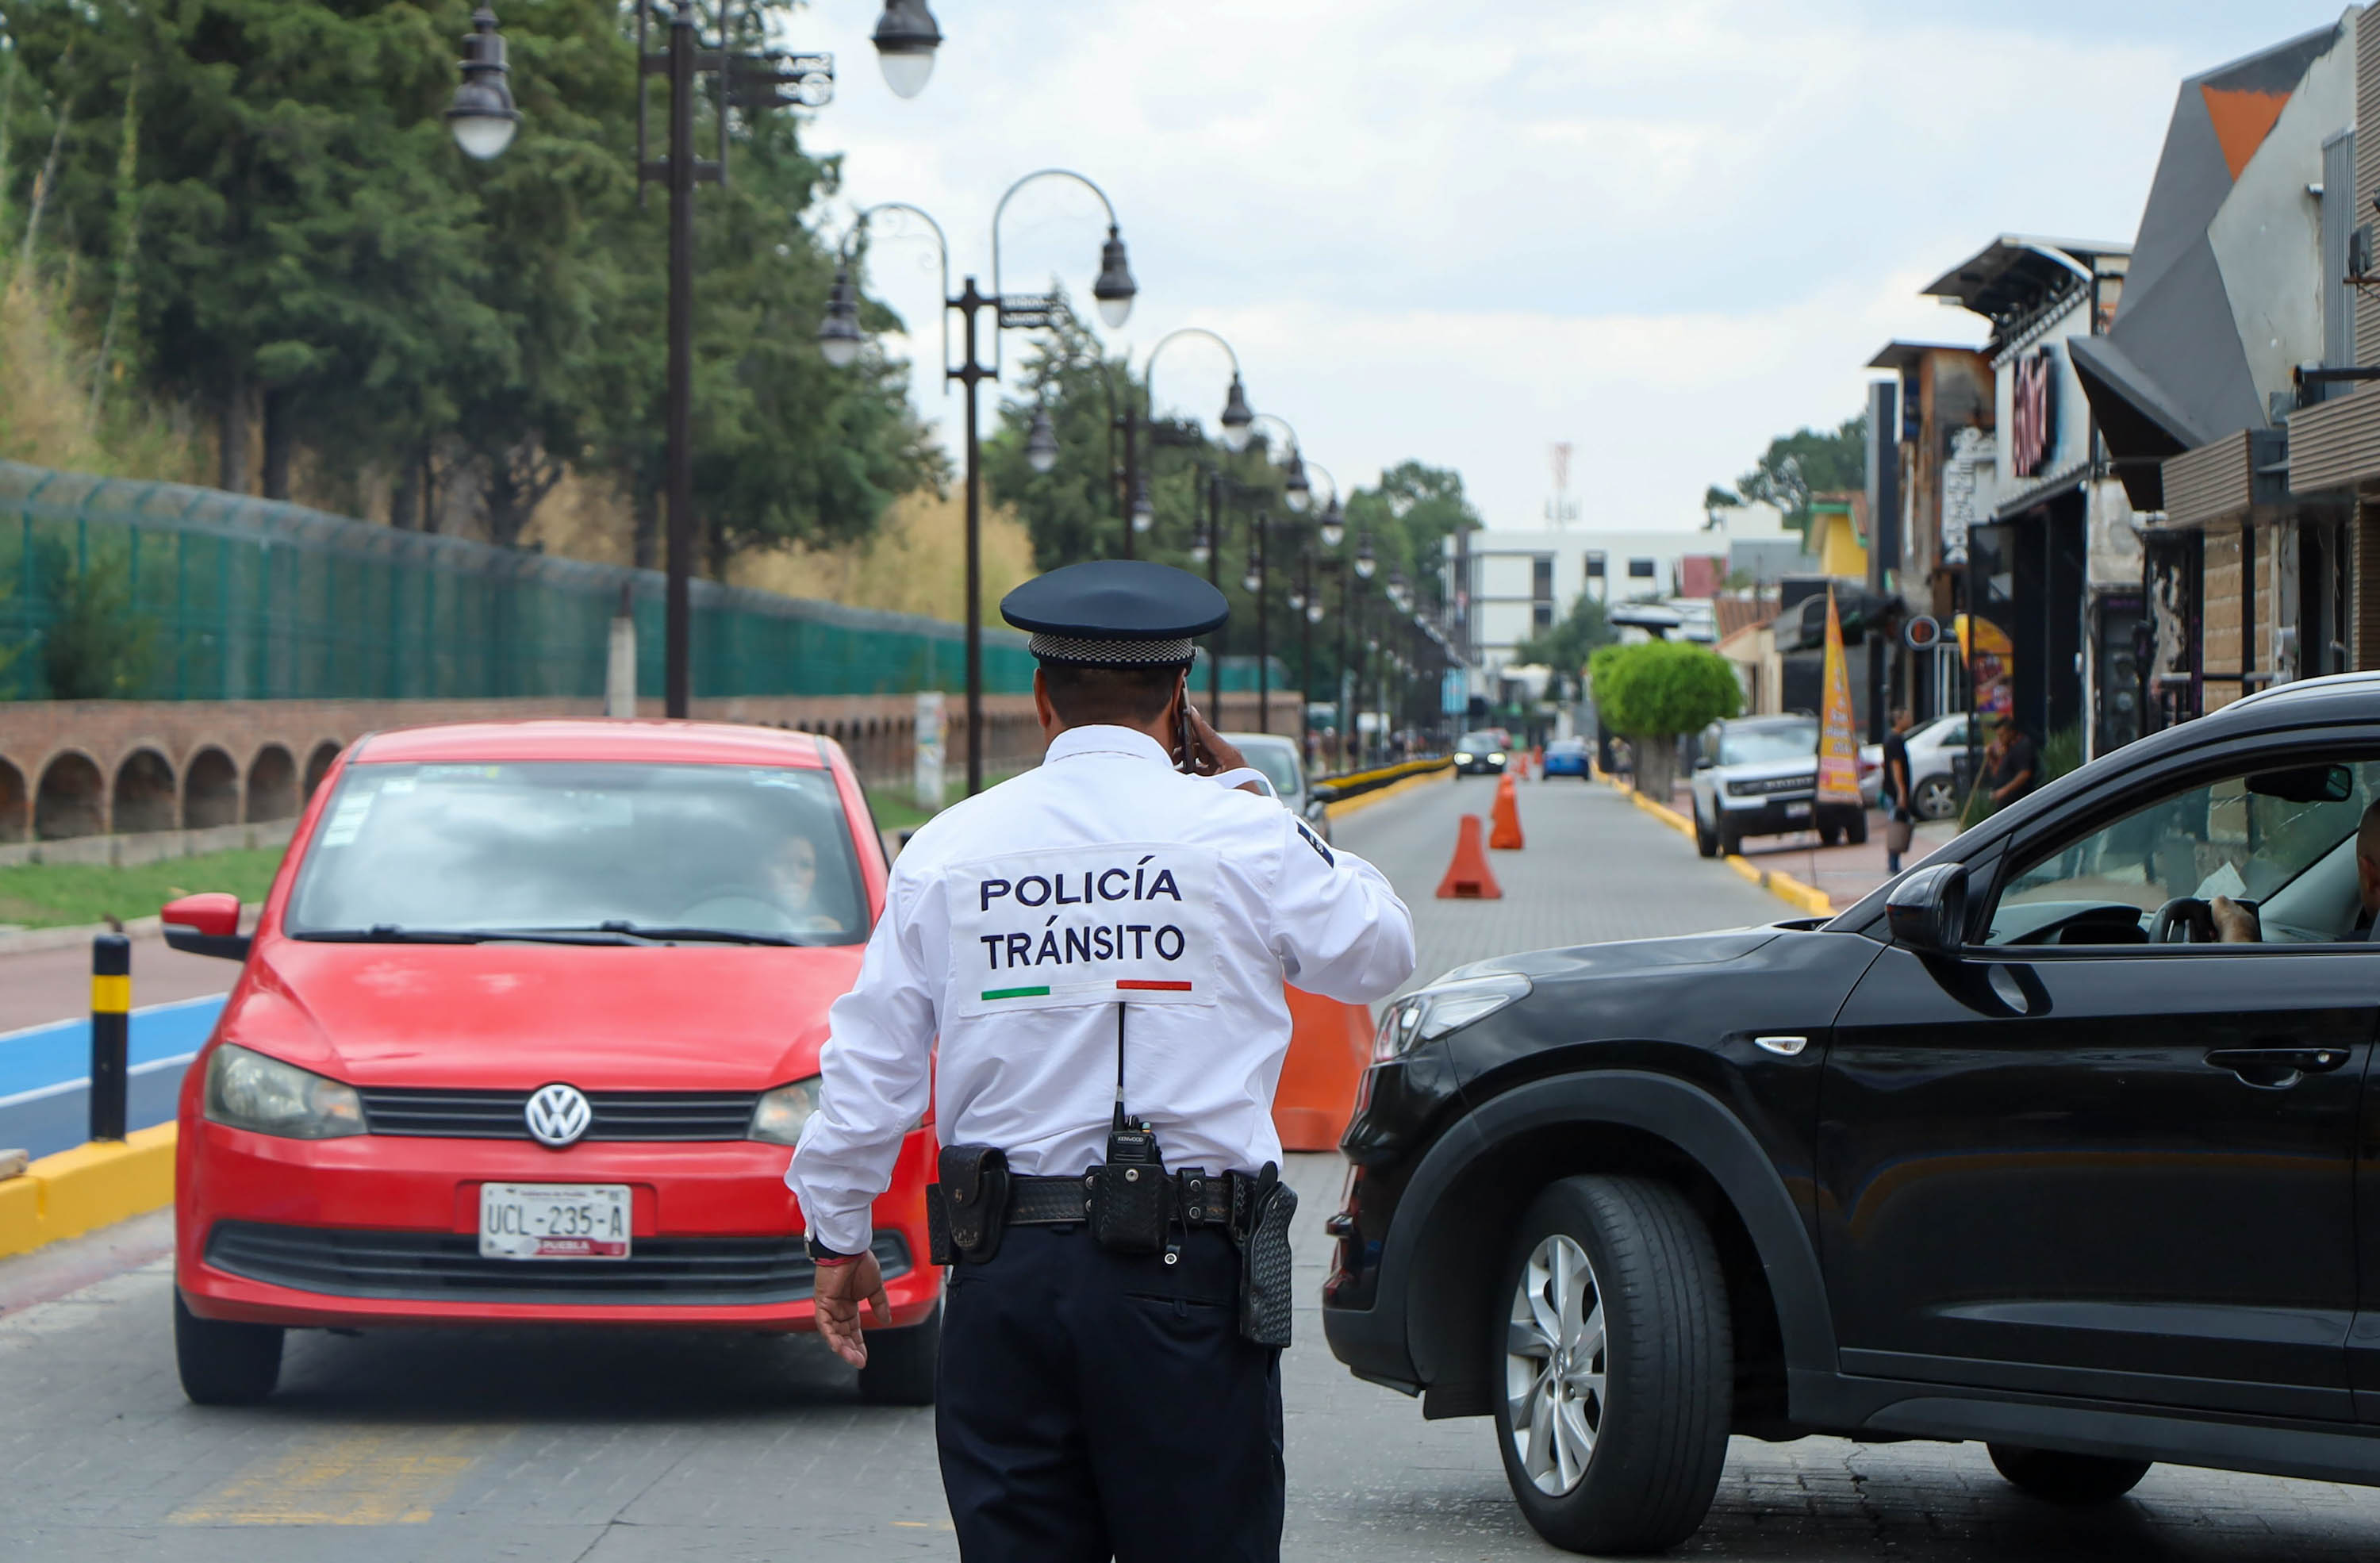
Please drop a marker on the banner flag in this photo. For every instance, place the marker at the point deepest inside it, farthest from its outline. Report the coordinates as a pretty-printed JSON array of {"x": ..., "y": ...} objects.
[{"x": 1837, "y": 744}]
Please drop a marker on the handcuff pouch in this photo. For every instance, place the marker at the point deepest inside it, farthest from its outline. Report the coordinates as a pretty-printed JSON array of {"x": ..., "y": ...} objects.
[{"x": 967, "y": 1205}]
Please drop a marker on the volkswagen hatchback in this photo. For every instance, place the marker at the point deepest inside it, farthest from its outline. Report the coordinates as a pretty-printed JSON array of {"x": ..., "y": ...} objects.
[{"x": 525, "y": 1032}]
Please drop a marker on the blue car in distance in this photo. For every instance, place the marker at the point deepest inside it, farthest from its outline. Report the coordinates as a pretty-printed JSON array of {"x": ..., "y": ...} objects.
[{"x": 1567, "y": 757}]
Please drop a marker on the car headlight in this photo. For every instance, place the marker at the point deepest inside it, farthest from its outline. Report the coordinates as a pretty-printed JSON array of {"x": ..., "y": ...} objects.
[
  {"x": 1461, "y": 758},
  {"x": 1442, "y": 1006},
  {"x": 248, "y": 1090},
  {"x": 778, "y": 1116},
  {"x": 1498, "y": 758}
]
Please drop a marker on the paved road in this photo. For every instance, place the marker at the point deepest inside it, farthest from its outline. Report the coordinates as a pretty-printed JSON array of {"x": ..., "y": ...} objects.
[{"x": 626, "y": 1447}]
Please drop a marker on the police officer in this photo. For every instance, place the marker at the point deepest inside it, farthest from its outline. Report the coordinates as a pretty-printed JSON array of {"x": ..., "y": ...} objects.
[{"x": 1084, "y": 967}]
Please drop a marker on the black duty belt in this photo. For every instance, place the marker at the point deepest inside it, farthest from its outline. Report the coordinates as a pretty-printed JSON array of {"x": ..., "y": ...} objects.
[{"x": 1200, "y": 1199}]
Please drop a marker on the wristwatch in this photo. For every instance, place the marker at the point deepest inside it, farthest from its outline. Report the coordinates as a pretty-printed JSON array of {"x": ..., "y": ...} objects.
[{"x": 822, "y": 1254}]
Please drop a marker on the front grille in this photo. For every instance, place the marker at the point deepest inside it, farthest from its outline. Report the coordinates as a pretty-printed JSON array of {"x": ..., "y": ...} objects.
[
  {"x": 447, "y": 1266},
  {"x": 617, "y": 1115},
  {"x": 1762, "y": 786}
]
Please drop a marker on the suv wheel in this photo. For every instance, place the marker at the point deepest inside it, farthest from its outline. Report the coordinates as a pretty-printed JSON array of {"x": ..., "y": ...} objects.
[
  {"x": 1616, "y": 1364},
  {"x": 1706, "y": 838},
  {"x": 2056, "y": 1476}
]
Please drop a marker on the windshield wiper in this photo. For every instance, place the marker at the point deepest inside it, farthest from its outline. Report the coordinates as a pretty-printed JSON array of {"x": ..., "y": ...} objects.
[
  {"x": 391, "y": 933},
  {"x": 692, "y": 934}
]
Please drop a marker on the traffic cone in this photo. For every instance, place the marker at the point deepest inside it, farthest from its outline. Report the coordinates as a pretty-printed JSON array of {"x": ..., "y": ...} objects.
[
  {"x": 1468, "y": 877},
  {"x": 1329, "y": 1045},
  {"x": 1506, "y": 836}
]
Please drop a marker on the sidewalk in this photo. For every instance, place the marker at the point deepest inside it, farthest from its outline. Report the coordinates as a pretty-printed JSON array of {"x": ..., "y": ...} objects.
[{"x": 1845, "y": 873}]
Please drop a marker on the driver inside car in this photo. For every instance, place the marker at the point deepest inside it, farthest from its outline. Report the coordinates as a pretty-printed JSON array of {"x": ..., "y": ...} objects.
[{"x": 2235, "y": 923}]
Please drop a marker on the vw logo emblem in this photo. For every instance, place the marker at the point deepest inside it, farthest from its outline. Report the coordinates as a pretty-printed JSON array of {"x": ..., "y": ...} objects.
[{"x": 557, "y": 1115}]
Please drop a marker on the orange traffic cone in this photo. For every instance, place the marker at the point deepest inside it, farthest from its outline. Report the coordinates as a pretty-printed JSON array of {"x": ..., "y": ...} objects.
[
  {"x": 1468, "y": 877},
  {"x": 1330, "y": 1045},
  {"x": 1506, "y": 836}
]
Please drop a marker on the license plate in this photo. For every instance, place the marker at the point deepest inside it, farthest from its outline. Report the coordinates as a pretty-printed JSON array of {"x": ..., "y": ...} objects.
[
  {"x": 554, "y": 1221},
  {"x": 1797, "y": 811}
]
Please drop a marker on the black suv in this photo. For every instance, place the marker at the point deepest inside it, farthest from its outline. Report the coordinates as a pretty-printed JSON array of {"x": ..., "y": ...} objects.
[{"x": 2030, "y": 1147}]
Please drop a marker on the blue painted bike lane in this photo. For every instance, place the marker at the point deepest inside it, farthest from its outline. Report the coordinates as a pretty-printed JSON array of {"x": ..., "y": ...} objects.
[{"x": 46, "y": 1073}]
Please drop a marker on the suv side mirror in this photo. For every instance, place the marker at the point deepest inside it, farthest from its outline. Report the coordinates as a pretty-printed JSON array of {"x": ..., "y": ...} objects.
[
  {"x": 1927, "y": 910},
  {"x": 206, "y": 925}
]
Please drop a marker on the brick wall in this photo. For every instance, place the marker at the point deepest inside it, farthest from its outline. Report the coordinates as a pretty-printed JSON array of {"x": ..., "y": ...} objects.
[{"x": 69, "y": 767}]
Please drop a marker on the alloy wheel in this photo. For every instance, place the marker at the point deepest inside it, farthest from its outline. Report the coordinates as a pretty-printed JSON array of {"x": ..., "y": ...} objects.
[
  {"x": 1554, "y": 1365},
  {"x": 1937, "y": 797}
]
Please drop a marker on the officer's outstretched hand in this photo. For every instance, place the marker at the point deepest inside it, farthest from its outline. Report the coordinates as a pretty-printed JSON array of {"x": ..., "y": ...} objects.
[{"x": 840, "y": 1290}]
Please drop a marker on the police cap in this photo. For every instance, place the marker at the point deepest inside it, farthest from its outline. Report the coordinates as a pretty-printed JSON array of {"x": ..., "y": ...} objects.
[{"x": 1115, "y": 613}]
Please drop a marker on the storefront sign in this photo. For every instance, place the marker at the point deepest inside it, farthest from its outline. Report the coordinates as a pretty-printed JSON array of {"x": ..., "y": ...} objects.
[{"x": 2033, "y": 433}]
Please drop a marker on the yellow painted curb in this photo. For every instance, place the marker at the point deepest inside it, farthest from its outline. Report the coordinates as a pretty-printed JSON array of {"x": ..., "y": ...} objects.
[
  {"x": 1784, "y": 887},
  {"x": 1346, "y": 806},
  {"x": 90, "y": 1186}
]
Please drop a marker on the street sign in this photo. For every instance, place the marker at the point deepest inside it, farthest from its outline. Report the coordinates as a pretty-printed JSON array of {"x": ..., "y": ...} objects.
[{"x": 1922, "y": 633}]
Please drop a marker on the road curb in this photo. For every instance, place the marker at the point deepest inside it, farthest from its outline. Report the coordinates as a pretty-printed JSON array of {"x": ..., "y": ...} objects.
[
  {"x": 86, "y": 1188},
  {"x": 1784, "y": 887},
  {"x": 1346, "y": 806}
]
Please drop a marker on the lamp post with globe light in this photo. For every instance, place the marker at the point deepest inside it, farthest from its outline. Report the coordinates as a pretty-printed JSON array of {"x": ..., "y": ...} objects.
[
  {"x": 482, "y": 119},
  {"x": 840, "y": 340}
]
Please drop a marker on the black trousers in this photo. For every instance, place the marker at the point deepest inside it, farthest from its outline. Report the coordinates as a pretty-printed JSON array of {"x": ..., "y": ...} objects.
[{"x": 1095, "y": 1405}]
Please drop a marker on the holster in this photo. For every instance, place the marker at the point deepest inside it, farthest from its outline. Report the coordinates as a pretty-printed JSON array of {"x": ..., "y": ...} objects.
[
  {"x": 967, "y": 1205},
  {"x": 1265, "y": 1281}
]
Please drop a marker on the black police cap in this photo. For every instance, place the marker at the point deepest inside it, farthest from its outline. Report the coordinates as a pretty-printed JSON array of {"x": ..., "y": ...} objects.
[{"x": 1115, "y": 613}]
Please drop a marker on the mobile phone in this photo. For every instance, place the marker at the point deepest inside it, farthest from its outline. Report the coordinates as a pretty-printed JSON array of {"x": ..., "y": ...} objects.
[{"x": 1186, "y": 758}]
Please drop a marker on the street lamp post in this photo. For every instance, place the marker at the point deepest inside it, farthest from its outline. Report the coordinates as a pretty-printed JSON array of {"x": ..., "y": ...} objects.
[
  {"x": 840, "y": 338},
  {"x": 483, "y": 119}
]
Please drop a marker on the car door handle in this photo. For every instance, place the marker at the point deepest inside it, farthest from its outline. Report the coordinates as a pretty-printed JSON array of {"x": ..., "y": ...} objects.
[{"x": 2276, "y": 1067}]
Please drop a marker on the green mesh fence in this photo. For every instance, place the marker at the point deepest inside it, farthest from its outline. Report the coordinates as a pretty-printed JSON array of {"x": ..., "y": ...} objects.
[{"x": 239, "y": 598}]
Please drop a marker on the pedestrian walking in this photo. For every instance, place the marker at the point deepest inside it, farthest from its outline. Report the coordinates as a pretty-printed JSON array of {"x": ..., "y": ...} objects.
[
  {"x": 1083, "y": 967},
  {"x": 1900, "y": 802}
]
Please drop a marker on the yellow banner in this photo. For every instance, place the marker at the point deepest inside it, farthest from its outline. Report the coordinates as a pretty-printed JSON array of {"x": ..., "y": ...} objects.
[{"x": 1838, "y": 743}]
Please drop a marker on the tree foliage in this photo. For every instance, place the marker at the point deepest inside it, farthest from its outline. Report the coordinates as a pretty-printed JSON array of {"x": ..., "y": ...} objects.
[
  {"x": 1796, "y": 466},
  {"x": 314, "y": 253},
  {"x": 1566, "y": 645},
  {"x": 1660, "y": 688}
]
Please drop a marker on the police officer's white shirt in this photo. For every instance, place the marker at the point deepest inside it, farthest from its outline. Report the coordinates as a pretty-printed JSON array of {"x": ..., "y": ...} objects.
[{"x": 1011, "y": 921}]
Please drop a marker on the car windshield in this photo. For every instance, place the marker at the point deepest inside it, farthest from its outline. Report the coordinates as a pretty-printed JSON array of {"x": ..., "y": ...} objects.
[
  {"x": 1278, "y": 763},
  {"x": 1757, "y": 745},
  {"x": 1480, "y": 743},
  {"x": 601, "y": 848}
]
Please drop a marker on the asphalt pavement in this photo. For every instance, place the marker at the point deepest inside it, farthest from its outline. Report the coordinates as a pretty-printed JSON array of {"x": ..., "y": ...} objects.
[{"x": 617, "y": 1445}]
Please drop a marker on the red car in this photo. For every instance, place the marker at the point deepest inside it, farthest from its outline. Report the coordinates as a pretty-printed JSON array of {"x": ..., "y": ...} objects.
[{"x": 525, "y": 1034}]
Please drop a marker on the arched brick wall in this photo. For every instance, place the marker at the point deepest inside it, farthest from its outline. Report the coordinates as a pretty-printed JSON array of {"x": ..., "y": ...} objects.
[
  {"x": 71, "y": 798},
  {"x": 271, "y": 784},
  {"x": 318, "y": 764},
  {"x": 15, "y": 803},
  {"x": 146, "y": 796},
  {"x": 210, "y": 790}
]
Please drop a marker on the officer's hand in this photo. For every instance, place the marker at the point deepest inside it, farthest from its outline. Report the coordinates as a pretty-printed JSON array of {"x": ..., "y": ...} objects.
[
  {"x": 840, "y": 1290},
  {"x": 1211, "y": 755}
]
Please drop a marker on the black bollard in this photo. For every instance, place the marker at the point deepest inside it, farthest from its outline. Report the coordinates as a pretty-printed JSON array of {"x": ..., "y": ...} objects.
[{"x": 111, "y": 1032}]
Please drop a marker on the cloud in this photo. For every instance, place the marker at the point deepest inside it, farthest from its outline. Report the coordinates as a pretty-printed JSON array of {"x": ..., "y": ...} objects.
[{"x": 1463, "y": 229}]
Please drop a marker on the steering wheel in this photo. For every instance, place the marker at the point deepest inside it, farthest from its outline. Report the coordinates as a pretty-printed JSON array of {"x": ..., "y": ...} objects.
[{"x": 2192, "y": 916}]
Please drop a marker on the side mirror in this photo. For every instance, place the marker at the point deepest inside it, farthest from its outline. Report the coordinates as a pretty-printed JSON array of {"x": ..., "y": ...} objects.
[
  {"x": 1702, "y": 762},
  {"x": 206, "y": 925},
  {"x": 1927, "y": 910}
]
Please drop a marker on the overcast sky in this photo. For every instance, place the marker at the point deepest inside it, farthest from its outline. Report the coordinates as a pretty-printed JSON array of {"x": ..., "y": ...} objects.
[{"x": 1461, "y": 230}]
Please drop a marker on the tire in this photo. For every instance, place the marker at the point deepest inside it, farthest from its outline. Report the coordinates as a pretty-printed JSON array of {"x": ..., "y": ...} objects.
[
  {"x": 2055, "y": 1476},
  {"x": 1937, "y": 797},
  {"x": 1730, "y": 841},
  {"x": 1631, "y": 1252},
  {"x": 901, "y": 1364},
  {"x": 1855, "y": 830},
  {"x": 1830, "y": 835},
  {"x": 1706, "y": 838},
  {"x": 224, "y": 1364}
]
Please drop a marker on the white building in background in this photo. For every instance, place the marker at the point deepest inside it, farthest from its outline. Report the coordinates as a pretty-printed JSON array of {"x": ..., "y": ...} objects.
[{"x": 1513, "y": 583}]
